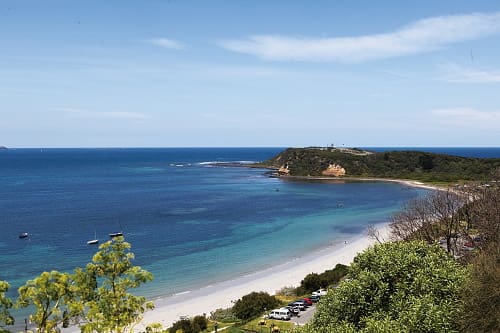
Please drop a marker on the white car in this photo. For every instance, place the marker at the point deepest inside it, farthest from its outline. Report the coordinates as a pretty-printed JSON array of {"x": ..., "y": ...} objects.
[
  {"x": 281, "y": 314},
  {"x": 320, "y": 292}
]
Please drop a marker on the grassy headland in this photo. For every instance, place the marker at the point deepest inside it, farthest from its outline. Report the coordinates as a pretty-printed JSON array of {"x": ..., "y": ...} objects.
[{"x": 357, "y": 163}]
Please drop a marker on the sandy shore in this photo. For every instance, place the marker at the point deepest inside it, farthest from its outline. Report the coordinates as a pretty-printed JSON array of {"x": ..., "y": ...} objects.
[{"x": 170, "y": 309}]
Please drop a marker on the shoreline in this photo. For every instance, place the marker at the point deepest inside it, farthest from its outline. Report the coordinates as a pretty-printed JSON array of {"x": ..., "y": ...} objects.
[
  {"x": 407, "y": 182},
  {"x": 169, "y": 309},
  {"x": 222, "y": 295}
]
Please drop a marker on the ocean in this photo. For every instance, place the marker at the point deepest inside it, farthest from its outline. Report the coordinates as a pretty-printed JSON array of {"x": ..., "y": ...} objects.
[{"x": 190, "y": 222}]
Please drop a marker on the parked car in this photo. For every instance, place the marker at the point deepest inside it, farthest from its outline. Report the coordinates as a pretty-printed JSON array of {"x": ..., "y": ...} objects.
[
  {"x": 315, "y": 298},
  {"x": 304, "y": 303},
  {"x": 294, "y": 310},
  {"x": 281, "y": 314},
  {"x": 309, "y": 302},
  {"x": 299, "y": 305},
  {"x": 320, "y": 292}
]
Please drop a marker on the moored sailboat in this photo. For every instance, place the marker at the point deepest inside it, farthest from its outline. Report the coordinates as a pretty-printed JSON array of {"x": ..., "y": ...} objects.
[{"x": 93, "y": 241}]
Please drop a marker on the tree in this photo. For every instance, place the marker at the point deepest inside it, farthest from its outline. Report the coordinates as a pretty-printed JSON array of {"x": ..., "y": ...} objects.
[
  {"x": 481, "y": 295},
  {"x": 196, "y": 325},
  {"x": 395, "y": 287},
  {"x": 51, "y": 293},
  {"x": 104, "y": 286},
  {"x": 430, "y": 217},
  {"x": 5, "y": 305},
  {"x": 251, "y": 305},
  {"x": 182, "y": 325}
]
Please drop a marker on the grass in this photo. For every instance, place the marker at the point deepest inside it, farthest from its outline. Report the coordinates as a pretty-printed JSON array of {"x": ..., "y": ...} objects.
[{"x": 254, "y": 325}]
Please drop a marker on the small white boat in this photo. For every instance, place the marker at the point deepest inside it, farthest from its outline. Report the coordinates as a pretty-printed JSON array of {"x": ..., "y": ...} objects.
[
  {"x": 23, "y": 235},
  {"x": 115, "y": 234},
  {"x": 93, "y": 241}
]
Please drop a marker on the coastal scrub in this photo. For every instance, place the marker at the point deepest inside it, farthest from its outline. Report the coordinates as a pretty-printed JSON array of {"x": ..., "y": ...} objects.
[{"x": 396, "y": 287}]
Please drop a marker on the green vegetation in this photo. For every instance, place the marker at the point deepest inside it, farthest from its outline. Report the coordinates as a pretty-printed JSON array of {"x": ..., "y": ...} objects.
[
  {"x": 395, "y": 287},
  {"x": 481, "y": 294},
  {"x": 315, "y": 281},
  {"x": 96, "y": 298},
  {"x": 52, "y": 294},
  {"x": 266, "y": 325},
  {"x": 110, "y": 307},
  {"x": 5, "y": 305},
  {"x": 253, "y": 304},
  {"x": 195, "y": 325},
  {"x": 395, "y": 164}
]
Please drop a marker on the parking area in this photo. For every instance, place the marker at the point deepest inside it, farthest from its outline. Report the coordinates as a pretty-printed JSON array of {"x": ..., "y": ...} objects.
[{"x": 305, "y": 316}]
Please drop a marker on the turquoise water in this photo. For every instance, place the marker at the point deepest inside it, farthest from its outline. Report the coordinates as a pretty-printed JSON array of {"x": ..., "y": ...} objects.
[{"x": 190, "y": 223}]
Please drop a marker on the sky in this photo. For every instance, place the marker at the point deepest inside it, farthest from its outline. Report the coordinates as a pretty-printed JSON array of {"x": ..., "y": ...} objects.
[{"x": 241, "y": 73}]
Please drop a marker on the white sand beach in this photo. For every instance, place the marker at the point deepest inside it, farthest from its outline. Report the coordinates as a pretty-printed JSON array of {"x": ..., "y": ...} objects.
[{"x": 170, "y": 309}]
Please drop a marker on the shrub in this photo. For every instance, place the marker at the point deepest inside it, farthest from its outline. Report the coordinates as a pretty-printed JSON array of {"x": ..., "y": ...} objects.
[
  {"x": 251, "y": 305},
  {"x": 396, "y": 287}
]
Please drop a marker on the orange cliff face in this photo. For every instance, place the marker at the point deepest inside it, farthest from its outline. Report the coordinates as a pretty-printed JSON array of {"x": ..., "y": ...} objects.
[
  {"x": 284, "y": 170},
  {"x": 334, "y": 170}
]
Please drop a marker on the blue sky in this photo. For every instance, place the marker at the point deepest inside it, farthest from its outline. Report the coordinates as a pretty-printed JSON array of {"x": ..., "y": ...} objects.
[{"x": 249, "y": 73}]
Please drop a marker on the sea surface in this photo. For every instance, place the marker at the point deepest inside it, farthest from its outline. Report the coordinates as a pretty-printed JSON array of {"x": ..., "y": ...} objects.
[{"x": 190, "y": 222}]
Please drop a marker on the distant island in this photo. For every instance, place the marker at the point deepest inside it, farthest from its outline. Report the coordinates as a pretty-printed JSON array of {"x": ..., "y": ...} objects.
[
  {"x": 359, "y": 163},
  {"x": 3, "y": 147}
]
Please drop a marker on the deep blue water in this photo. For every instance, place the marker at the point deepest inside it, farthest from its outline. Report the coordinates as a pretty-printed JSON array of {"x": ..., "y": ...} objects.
[{"x": 190, "y": 223}]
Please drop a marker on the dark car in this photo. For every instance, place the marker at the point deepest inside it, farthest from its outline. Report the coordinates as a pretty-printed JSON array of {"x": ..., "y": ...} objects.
[{"x": 315, "y": 298}]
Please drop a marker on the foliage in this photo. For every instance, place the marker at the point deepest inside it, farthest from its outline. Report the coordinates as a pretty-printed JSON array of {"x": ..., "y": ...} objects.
[
  {"x": 196, "y": 325},
  {"x": 395, "y": 164},
  {"x": 200, "y": 323},
  {"x": 52, "y": 294},
  {"x": 395, "y": 287},
  {"x": 104, "y": 296},
  {"x": 5, "y": 305},
  {"x": 223, "y": 315},
  {"x": 253, "y": 304},
  {"x": 183, "y": 325},
  {"x": 482, "y": 293},
  {"x": 438, "y": 214},
  {"x": 314, "y": 281},
  {"x": 287, "y": 291}
]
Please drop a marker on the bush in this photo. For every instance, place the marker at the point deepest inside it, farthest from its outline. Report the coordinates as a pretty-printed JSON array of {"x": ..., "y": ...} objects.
[
  {"x": 184, "y": 325},
  {"x": 314, "y": 281},
  {"x": 223, "y": 315},
  {"x": 396, "y": 287},
  {"x": 200, "y": 323},
  {"x": 253, "y": 304},
  {"x": 196, "y": 325}
]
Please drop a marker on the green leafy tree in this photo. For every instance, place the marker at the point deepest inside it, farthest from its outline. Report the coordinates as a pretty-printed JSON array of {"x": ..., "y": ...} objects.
[
  {"x": 395, "y": 287},
  {"x": 253, "y": 304},
  {"x": 200, "y": 323},
  {"x": 5, "y": 305},
  {"x": 104, "y": 286},
  {"x": 52, "y": 294}
]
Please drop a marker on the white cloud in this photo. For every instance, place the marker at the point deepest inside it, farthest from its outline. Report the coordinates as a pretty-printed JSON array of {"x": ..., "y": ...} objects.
[
  {"x": 420, "y": 36},
  {"x": 166, "y": 43},
  {"x": 455, "y": 73},
  {"x": 79, "y": 113},
  {"x": 468, "y": 116}
]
